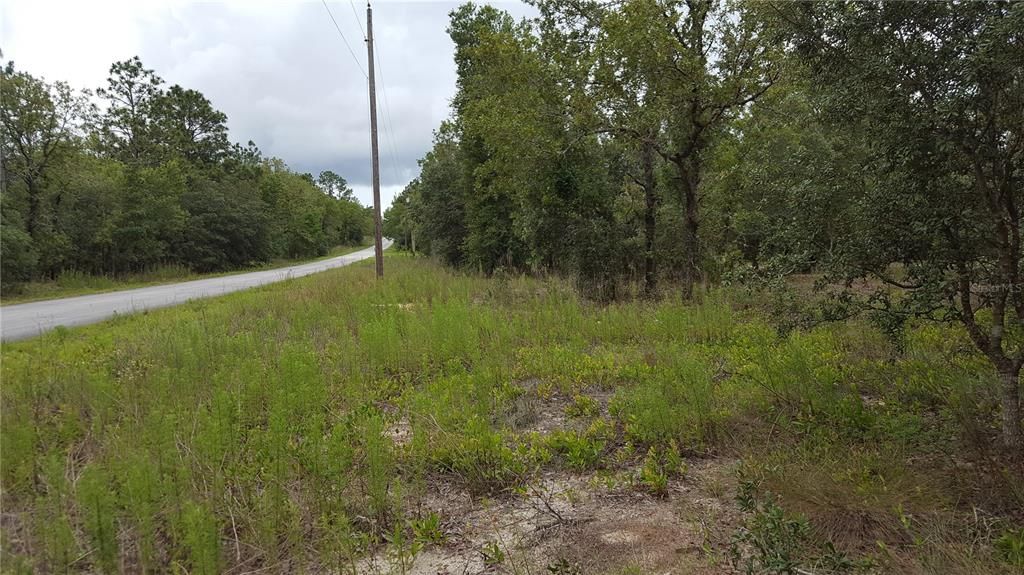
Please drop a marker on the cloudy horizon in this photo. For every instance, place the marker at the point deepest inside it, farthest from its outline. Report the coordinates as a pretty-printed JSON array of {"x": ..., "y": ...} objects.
[{"x": 279, "y": 70}]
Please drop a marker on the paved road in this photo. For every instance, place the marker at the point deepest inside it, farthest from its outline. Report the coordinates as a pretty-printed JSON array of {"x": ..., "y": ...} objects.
[{"x": 25, "y": 320}]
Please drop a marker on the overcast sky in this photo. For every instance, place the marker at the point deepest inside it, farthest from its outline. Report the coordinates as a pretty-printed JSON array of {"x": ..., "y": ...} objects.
[{"x": 278, "y": 69}]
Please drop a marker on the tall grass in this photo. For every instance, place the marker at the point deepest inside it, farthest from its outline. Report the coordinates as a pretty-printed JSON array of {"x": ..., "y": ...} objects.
[{"x": 255, "y": 431}]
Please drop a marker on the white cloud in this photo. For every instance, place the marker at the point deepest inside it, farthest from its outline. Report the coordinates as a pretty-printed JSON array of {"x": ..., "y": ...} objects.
[{"x": 278, "y": 69}]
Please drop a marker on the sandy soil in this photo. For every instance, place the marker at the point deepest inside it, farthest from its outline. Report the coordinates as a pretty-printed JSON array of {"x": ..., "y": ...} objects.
[{"x": 571, "y": 523}]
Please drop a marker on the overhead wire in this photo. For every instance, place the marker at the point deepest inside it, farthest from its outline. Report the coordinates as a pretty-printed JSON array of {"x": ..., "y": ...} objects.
[
  {"x": 388, "y": 124},
  {"x": 343, "y": 39},
  {"x": 358, "y": 22}
]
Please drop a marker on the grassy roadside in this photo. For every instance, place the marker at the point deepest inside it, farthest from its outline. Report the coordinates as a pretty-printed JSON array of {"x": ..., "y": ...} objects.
[
  {"x": 74, "y": 284},
  {"x": 434, "y": 421}
]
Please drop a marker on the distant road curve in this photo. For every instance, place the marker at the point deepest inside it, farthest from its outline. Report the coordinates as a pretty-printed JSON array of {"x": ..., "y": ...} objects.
[{"x": 25, "y": 320}]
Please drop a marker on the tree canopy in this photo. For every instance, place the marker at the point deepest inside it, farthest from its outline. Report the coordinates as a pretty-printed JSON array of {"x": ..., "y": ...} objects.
[
  {"x": 646, "y": 146},
  {"x": 148, "y": 178}
]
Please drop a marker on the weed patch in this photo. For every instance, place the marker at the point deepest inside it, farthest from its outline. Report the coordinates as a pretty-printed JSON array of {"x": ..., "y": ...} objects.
[{"x": 306, "y": 425}]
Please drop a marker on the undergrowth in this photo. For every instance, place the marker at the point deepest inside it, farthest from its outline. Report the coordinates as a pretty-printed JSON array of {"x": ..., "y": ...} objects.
[{"x": 295, "y": 425}]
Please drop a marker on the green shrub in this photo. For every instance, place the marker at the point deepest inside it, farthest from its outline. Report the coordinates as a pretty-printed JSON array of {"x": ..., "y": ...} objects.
[
  {"x": 97, "y": 498},
  {"x": 709, "y": 321},
  {"x": 1010, "y": 547},
  {"x": 676, "y": 403},
  {"x": 775, "y": 539},
  {"x": 579, "y": 450},
  {"x": 653, "y": 476},
  {"x": 583, "y": 406},
  {"x": 202, "y": 539},
  {"x": 570, "y": 369},
  {"x": 480, "y": 457},
  {"x": 660, "y": 465},
  {"x": 492, "y": 554},
  {"x": 800, "y": 375},
  {"x": 427, "y": 529},
  {"x": 18, "y": 258},
  {"x": 377, "y": 469}
]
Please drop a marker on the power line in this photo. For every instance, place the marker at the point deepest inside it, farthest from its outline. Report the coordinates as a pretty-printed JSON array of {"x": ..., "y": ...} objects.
[
  {"x": 343, "y": 39},
  {"x": 388, "y": 124},
  {"x": 358, "y": 21}
]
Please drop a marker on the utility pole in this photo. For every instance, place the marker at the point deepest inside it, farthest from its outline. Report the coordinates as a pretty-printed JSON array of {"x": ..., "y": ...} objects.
[{"x": 378, "y": 242}]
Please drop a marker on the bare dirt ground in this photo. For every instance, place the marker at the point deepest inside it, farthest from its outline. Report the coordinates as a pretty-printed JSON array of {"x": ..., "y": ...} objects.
[
  {"x": 576, "y": 523},
  {"x": 571, "y": 523}
]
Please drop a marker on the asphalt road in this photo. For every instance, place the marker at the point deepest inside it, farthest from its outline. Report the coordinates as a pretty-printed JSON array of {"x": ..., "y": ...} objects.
[{"x": 25, "y": 320}]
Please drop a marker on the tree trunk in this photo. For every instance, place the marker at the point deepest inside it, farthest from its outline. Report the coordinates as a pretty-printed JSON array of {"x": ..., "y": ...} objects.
[
  {"x": 689, "y": 177},
  {"x": 32, "y": 223},
  {"x": 1010, "y": 396},
  {"x": 650, "y": 207}
]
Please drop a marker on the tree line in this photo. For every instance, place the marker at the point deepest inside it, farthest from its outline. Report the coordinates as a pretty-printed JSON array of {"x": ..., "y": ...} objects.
[
  {"x": 648, "y": 146},
  {"x": 137, "y": 175}
]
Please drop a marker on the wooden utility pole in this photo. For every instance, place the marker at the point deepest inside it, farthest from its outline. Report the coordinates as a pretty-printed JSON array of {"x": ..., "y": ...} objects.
[{"x": 378, "y": 242}]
